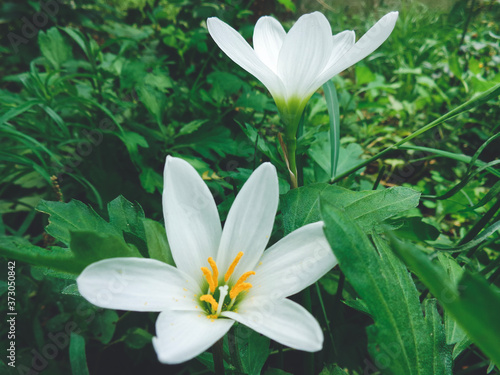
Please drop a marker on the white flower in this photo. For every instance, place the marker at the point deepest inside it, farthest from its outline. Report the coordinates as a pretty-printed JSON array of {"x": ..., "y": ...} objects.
[
  {"x": 221, "y": 276},
  {"x": 293, "y": 66}
]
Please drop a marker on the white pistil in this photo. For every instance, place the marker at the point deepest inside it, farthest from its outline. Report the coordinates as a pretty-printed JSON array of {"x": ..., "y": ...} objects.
[{"x": 223, "y": 293}]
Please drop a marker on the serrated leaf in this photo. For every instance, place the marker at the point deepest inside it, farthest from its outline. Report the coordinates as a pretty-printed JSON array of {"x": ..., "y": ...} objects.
[
  {"x": 368, "y": 208},
  {"x": 400, "y": 341},
  {"x": 53, "y": 47},
  {"x": 472, "y": 302},
  {"x": 128, "y": 217},
  {"x": 73, "y": 216}
]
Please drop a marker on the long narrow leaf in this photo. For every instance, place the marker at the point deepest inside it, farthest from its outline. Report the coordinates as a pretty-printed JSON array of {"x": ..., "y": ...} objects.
[{"x": 332, "y": 103}]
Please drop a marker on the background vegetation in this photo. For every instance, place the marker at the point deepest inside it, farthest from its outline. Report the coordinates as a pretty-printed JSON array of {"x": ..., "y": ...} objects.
[{"x": 94, "y": 94}]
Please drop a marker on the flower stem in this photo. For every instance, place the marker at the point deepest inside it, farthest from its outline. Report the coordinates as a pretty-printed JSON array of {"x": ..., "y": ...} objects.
[
  {"x": 291, "y": 148},
  {"x": 308, "y": 364},
  {"x": 217, "y": 353}
]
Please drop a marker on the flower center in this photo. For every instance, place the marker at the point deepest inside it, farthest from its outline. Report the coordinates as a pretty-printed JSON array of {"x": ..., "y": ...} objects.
[{"x": 215, "y": 299}]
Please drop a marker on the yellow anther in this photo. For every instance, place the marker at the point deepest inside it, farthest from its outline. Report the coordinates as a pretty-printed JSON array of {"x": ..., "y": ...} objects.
[
  {"x": 209, "y": 277},
  {"x": 233, "y": 265},
  {"x": 238, "y": 288},
  {"x": 215, "y": 271},
  {"x": 211, "y": 300},
  {"x": 243, "y": 277},
  {"x": 241, "y": 285}
]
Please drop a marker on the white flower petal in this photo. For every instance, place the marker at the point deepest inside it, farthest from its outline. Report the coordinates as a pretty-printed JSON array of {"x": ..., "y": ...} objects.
[
  {"x": 305, "y": 53},
  {"x": 191, "y": 218},
  {"x": 283, "y": 321},
  {"x": 293, "y": 263},
  {"x": 341, "y": 43},
  {"x": 183, "y": 335},
  {"x": 366, "y": 45},
  {"x": 250, "y": 220},
  {"x": 238, "y": 50},
  {"x": 268, "y": 37},
  {"x": 137, "y": 284}
]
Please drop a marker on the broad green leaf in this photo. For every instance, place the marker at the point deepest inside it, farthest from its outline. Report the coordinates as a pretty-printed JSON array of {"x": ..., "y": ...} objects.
[
  {"x": 73, "y": 216},
  {"x": 21, "y": 249},
  {"x": 137, "y": 338},
  {"x": 153, "y": 100},
  {"x": 252, "y": 349},
  {"x": 103, "y": 325},
  {"x": 53, "y": 47},
  {"x": 454, "y": 334},
  {"x": 90, "y": 247},
  {"x": 77, "y": 357},
  {"x": 157, "y": 243},
  {"x": 368, "y": 208},
  {"x": 400, "y": 341},
  {"x": 415, "y": 228},
  {"x": 472, "y": 302},
  {"x": 128, "y": 217},
  {"x": 441, "y": 351}
]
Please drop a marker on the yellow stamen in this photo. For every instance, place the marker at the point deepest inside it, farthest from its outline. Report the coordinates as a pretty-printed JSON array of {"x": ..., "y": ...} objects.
[
  {"x": 209, "y": 277},
  {"x": 211, "y": 300},
  {"x": 241, "y": 284},
  {"x": 233, "y": 265},
  {"x": 215, "y": 271},
  {"x": 237, "y": 289}
]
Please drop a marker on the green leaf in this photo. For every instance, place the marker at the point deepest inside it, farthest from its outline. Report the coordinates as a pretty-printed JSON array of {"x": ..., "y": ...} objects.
[
  {"x": 289, "y": 5},
  {"x": 53, "y": 47},
  {"x": 137, "y": 338},
  {"x": 400, "y": 341},
  {"x": 103, "y": 325},
  {"x": 21, "y": 249},
  {"x": 71, "y": 290},
  {"x": 89, "y": 247},
  {"x": 153, "y": 100},
  {"x": 128, "y": 217},
  {"x": 455, "y": 335},
  {"x": 472, "y": 302},
  {"x": 73, "y": 216},
  {"x": 368, "y": 208},
  {"x": 157, "y": 243},
  {"x": 77, "y": 357},
  {"x": 332, "y": 103},
  {"x": 415, "y": 228},
  {"x": 253, "y": 349}
]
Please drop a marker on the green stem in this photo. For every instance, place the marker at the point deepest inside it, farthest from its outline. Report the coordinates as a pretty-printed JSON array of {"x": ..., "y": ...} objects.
[
  {"x": 309, "y": 357},
  {"x": 217, "y": 353},
  {"x": 291, "y": 148}
]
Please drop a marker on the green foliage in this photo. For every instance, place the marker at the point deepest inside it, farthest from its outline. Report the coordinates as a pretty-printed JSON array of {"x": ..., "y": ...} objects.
[
  {"x": 93, "y": 100},
  {"x": 401, "y": 340},
  {"x": 469, "y": 300}
]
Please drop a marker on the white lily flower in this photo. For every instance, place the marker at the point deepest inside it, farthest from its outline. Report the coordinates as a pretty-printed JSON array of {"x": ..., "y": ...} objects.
[
  {"x": 221, "y": 276},
  {"x": 293, "y": 66}
]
